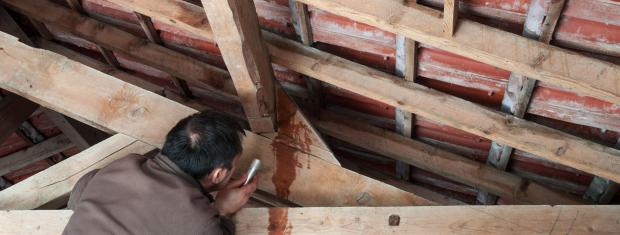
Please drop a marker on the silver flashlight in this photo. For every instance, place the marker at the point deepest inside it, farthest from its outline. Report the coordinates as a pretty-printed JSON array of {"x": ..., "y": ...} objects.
[{"x": 252, "y": 170}]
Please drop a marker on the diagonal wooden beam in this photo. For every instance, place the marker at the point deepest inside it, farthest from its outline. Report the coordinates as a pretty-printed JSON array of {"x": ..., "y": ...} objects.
[
  {"x": 40, "y": 151},
  {"x": 483, "y": 43},
  {"x": 54, "y": 81},
  {"x": 542, "y": 17},
  {"x": 545, "y": 142},
  {"x": 235, "y": 25},
  {"x": 506, "y": 220}
]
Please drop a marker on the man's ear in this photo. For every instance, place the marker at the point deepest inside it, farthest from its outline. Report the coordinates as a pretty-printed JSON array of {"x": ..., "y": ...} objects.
[{"x": 218, "y": 175}]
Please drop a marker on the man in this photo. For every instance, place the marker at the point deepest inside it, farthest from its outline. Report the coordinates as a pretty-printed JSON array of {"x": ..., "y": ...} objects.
[{"x": 168, "y": 194}]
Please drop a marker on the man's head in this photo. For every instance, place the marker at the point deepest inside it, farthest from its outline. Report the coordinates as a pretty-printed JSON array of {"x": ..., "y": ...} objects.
[{"x": 205, "y": 145}]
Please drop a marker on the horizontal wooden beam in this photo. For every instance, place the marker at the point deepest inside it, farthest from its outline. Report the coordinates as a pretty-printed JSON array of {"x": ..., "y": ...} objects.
[
  {"x": 545, "y": 142},
  {"x": 486, "y": 44},
  {"x": 37, "y": 152},
  {"x": 505, "y": 220},
  {"x": 441, "y": 162},
  {"x": 111, "y": 37},
  {"x": 55, "y": 81}
]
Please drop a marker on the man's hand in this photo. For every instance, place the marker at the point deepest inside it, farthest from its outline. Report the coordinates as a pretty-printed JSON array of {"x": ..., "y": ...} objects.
[{"x": 233, "y": 196}]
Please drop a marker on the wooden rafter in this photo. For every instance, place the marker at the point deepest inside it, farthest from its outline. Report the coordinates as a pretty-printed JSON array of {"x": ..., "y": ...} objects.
[
  {"x": 506, "y": 220},
  {"x": 287, "y": 171},
  {"x": 235, "y": 23},
  {"x": 545, "y": 142},
  {"x": 483, "y": 43}
]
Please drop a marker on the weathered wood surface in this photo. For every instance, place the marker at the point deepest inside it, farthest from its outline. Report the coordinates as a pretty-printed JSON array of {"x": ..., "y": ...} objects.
[
  {"x": 57, "y": 83},
  {"x": 111, "y": 37},
  {"x": 238, "y": 36},
  {"x": 376, "y": 220},
  {"x": 486, "y": 44},
  {"x": 441, "y": 162},
  {"x": 545, "y": 142}
]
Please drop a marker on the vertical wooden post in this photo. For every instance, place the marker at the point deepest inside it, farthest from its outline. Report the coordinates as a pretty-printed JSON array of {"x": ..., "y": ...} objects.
[
  {"x": 450, "y": 17},
  {"x": 237, "y": 33},
  {"x": 406, "y": 66},
  {"x": 300, "y": 17},
  {"x": 539, "y": 24}
]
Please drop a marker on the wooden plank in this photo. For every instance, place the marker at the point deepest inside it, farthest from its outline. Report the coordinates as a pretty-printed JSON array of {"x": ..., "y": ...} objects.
[
  {"x": 67, "y": 129},
  {"x": 31, "y": 222},
  {"x": 378, "y": 220},
  {"x": 441, "y": 162},
  {"x": 550, "y": 144},
  {"x": 431, "y": 220},
  {"x": 602, "y": 190},
  {"x": 58, "y": 180},
  {"x": 450, "y": 17},
  {"x": 167, "y": 60},
  {"x": 237, "y": 33},
  {"x": 40, "y": 151},
  {"x": 539, "y": 25},
  {"x": 302, "y": 178},
  {"x": 483, "y": 43},
  {"x": 119, "y": 74}
]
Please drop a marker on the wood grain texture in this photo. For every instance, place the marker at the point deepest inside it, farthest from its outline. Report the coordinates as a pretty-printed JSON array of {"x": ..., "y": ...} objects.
[
  {"x": 492, "y": 46},
  {"x": 34, "y": 222},
  {"x": 441, "y": 162},
  {"x": 110, "y": 37},
  {"x": 237, "y": 33},
  {"x": 431, "y": 220},
  {"x": 548, "y": 143},
  {"x": 504, "y": 220},
  {"x": 545, "y": 142},
  {"x": 450, "y": 17},
  {"x": 288, "y": 172}
]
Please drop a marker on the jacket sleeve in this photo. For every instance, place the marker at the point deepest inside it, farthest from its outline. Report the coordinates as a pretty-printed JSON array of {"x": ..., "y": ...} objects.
[{"x": 78, "y": 189}]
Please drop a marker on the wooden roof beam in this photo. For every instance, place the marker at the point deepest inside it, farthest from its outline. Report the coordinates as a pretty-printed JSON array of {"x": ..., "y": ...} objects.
[
  {"x": 486, "y": 44},
  {"x": 378, "y": 220},
  {"x": 545, "y": 142},
  {"x": 55, "y": 82}
]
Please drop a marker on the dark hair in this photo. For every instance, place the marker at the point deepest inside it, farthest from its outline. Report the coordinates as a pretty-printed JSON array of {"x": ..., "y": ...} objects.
[{"x": 202, "y": 142}]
